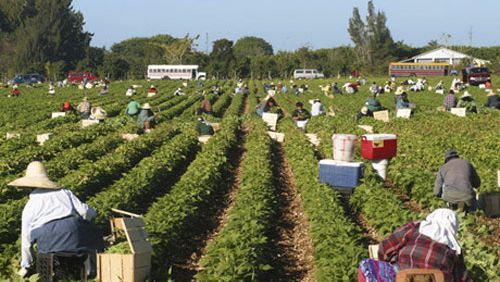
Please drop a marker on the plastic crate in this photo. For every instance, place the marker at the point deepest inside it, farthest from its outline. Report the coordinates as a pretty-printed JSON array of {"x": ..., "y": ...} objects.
[
  {"x": 342, "y": 175},
  {"x": 378, "y": 146},
  {"x": 61, "y": 266}
]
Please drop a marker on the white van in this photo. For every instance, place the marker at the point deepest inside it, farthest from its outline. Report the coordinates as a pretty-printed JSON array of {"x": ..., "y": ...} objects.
[{"x": 307, "y": 73}]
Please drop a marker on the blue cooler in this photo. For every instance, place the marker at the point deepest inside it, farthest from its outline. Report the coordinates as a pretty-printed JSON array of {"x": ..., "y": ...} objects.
[{"x": 342, "y": 175}]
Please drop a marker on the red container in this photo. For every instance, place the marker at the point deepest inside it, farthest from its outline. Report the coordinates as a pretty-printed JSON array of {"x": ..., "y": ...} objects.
[{"x": 378, "y": 146}]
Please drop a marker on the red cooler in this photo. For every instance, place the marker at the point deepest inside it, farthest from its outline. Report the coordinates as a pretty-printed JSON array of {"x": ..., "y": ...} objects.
[{"x": 378, "y": 146}]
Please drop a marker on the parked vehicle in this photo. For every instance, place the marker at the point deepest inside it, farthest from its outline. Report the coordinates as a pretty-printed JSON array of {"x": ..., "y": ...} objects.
[
  {"x": 78, "y": 77},
  {"x": 419, "y": 69},
  {"x": 185, "y": 72},
  {"x": 307, "y": 73},
  {"x": 27, "y": 78},
  {"x": 475, "y": 76}
]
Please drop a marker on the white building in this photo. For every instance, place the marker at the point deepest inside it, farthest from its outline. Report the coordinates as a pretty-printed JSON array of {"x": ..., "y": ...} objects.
[{"x": 445, "y": 55}]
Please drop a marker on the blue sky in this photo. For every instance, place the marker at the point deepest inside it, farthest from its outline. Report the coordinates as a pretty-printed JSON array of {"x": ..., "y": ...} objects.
[{"x": 291, "y": 24}]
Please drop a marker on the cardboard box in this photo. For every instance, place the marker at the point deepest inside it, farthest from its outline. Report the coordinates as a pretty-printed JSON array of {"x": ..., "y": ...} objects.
[
  {"x": 41, "y": 138},
  {"x": 403, "y": 113},
  {"x": 58, "y": 114},
  {"x": 129, "y": 136},
  {"x": 381, "y": 115},
  {"x": 271, "y": 120},
  {"x": 89, "y": 122},
  {"x": 458, "y": 111},
  {"x": 276, "y": 136},
  {"x": 204, "y": 138},
  {"x": 132, "y": 267},
  {"x": 215, "y": 126}
]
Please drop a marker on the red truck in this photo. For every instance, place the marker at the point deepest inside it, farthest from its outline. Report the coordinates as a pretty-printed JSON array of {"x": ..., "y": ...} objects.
[
  {"x": 476, "y": 76},
  {"x": 78, "y": 77}
]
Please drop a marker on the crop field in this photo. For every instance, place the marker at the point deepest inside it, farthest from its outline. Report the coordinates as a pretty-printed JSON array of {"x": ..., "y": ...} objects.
[{"x": 243, "y": 207}]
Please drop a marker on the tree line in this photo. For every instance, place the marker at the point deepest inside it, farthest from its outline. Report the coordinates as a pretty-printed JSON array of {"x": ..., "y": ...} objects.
[{"x": 47, "y": 36}]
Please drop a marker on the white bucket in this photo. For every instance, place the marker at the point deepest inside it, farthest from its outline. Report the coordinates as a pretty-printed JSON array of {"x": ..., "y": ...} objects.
[
  {"x": 343, "y": 147},
  {"x": 381, "y": 167}
]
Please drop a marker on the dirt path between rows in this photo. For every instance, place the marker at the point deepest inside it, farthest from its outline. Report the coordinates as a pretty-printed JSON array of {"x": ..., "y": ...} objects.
[
  {"x": 292, "y": 257},
  {"x": 216, "y": 217}
]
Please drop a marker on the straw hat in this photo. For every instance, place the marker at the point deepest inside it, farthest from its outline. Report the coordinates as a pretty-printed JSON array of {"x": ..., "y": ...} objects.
[
  {"x": 466, "y": 94},
  {"x": 36, "y": 177},
  {"x": 146, "y": 106},
  {"x": 399, "y": 90},
  {"x": 99, "y": 113},
  {"x": 364, "y": 110}
]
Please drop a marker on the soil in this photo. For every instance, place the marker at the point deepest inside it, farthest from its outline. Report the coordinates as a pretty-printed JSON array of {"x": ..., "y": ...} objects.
[{"x": 292, "y": 257}]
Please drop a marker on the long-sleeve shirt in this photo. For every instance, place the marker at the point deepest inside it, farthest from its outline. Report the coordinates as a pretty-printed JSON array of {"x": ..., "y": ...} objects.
[
  {"x": 450, "y": 101},
  {"x": 301, "y": 114},
  {"x": 45, "y": 206},
  {"x": 84, "y": 107},
  {"x": 455, "y": 180},
  {"x": 373, "y": 104},
  {"x": 411, "y": 249},
  {"x": 493, "y": 102},
  {"x": 317, "y": 109},
  {"x": 144, "y": 115}
]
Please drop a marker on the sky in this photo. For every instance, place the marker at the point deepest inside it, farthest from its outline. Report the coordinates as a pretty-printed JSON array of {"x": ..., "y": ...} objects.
[{"x": 290, "y": 24}]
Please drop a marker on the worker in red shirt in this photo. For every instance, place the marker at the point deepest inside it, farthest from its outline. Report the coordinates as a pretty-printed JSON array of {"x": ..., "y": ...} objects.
[
  {"x": 66, "y": 106},
  {"x": 428, "y": 244},
  {"x": 15, "y": 91}
]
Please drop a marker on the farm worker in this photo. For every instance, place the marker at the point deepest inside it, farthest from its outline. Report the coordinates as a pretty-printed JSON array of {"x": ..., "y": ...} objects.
[
  {"x": 317, "y": 108},
  {"x": 152, "y": 90},
  {"x": 440, "y": 85},
  {"x": 300, "y": 115},
  {"x": 203, "y": 127},
  {"x": 488, "y": 85},
  {"x": 104, "y": 89},
  {"x": 466, "y": 101},
  {"x": 66, "y": 107},
  {"x": 402, "y": 102},
  {"x": 455, "y": 182},
  {"x": 430, "y": 243},
  {"x": 493, "y": 101},
  {"x": 54, "y": 218},
  {"x": 374, "y": 88},
  {"x": 450, "y": 101},
  {"x": 269, "y": 105},
  {"x": 205, "y": 106},
  {"x": 52, "y": 90},
  {"x": 84, "y": 108},
  {"x": 179, "y": 92},
  {"x": 146, "y": 118},
  {"x": 15, "y": 91},
  {"x": 336, "y": 89},
  {"x": 98, "y": 113},
  {"x": 130, "y": 91},
  {"x": 372, "y": 105},
  {"x": 133, "y": 108}
]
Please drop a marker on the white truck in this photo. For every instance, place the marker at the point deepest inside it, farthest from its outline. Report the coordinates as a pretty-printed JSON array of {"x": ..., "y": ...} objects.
[
  {"x": 184, "y": 72},
  {"x": 307, "y": 74}
]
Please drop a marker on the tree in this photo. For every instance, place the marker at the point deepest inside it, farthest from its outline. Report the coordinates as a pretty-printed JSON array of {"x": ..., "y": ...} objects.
[
  {"x": 252, "y": 46},
  {"x": 114, "y": 67},
  {"x": 221, "y": 58},
  {"x": 373, "y": 39},
  {"x": 175, "y": 51}
]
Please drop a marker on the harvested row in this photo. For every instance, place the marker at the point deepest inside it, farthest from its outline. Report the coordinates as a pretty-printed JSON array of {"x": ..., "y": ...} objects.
[
  {"x": 221, "y": 104},
  {"x": 149, "y": 179},
  {"x": 170, "y": 218},
  {"x": 240, "y": 251},
  {"x": 337, "y": 242}
]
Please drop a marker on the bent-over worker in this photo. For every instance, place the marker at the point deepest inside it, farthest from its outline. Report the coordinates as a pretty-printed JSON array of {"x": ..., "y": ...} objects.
[
  {"x": 455, "y": 182},
  {"x": 54, "y": 218},
  {"x": 146, "y": 118}
]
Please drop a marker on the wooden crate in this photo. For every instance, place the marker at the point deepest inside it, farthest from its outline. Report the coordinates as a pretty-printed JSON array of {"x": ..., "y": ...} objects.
[{"x": 133, "y": 267}]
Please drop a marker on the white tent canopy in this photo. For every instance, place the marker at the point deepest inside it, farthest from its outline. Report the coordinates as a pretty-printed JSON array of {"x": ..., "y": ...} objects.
[{"x": 445, "y": 55}]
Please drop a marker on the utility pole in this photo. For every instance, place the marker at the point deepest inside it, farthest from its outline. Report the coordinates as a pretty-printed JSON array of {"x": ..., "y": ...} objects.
[
  {"x": 470, "y": 36},
  {"x": 206, "y": 43}
]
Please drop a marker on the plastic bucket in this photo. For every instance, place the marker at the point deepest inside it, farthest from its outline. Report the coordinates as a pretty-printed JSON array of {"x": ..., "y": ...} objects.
[
  {"x": 343, "y": 147},
  {"x": 381, "y": 167}
]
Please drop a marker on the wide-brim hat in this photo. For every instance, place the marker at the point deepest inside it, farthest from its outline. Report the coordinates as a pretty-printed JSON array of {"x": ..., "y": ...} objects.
[
  {"x": 364, "y": 110},
  {"x": 466, "y": 94},
  {"x": 450, "y": 154},
  {"x": 35, "y": 177},
  {"x": 99, "y": 113},
  {"x": 146, "y": 106},
  {"x": 399, "y": 90}
]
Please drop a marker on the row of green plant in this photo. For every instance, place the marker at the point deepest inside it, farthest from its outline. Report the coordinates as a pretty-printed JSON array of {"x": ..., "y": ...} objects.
[
  {"x": 338, "y": 243},
  {"x": 148, "y": 179},
  {"x": 170, "y": 218},
  {"x": 241, "y": 252}
]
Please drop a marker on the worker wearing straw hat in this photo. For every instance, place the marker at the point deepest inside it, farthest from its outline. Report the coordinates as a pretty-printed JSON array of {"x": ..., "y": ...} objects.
[
  {"x": 493, "y": 100},
  {"x": 467, "y": 101},
  {"x": 146, "y": 118},
  {"x": 54, "y": 218}
]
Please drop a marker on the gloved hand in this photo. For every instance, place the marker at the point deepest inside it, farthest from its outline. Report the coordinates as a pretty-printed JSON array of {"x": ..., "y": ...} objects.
[{"x": 22, "y": 272}]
